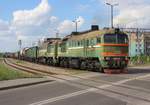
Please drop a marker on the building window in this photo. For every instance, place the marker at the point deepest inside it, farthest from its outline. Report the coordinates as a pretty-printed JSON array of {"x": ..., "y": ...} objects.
[
  {"x": 136, "y": 50},
  {"x": 140, "y": 51},
  {"x": 136, "y": 45}
]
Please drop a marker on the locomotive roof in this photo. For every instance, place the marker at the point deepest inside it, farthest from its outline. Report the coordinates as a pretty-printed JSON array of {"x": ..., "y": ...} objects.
[{"x": 91, "y": 34}]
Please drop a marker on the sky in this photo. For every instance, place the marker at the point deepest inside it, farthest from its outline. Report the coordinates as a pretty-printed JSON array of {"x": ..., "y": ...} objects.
[{"x": 34, "y": 20}]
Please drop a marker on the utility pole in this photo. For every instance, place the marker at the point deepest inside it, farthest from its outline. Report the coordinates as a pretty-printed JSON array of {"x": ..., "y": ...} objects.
[
  {"x": 39, "y": 42},
  {"x": 138, "y": 40},
  {"x": 112, "y": 12},
  {"x": 20, "y": 44},
  {"x": 76, "y": 24},
  {"x": 57, "y": 34}
]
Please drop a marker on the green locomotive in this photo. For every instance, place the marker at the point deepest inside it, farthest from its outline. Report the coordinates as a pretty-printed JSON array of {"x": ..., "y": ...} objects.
[
  {"x": 31, "y": 54},
  {"x": 94, "y": 50}
]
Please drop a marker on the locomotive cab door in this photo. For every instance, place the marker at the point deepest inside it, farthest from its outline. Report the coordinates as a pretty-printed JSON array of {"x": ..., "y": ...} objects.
[{"x": 86, "y": 45}]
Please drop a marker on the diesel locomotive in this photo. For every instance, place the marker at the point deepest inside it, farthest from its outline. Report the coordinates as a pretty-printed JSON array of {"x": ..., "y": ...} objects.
[{"x": 95, "y": 49}]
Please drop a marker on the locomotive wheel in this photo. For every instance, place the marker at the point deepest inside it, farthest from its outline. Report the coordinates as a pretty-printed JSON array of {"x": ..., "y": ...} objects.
[
  {"x": 83, "y": 65},
  {"x": 66, "y": 64},
  {"x": 61, "y": 64},
  {"x": 101, "y": 70},
  {"x": 98, "y": 67}
]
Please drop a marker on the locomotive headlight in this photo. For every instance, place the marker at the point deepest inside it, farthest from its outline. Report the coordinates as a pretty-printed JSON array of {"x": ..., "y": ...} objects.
[{"x": 127, "y": 58}]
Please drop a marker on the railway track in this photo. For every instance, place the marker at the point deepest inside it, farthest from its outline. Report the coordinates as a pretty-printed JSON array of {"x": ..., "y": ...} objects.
[
  {"x": 109, "y": 84},
  {"x": 93, "y": 80}
]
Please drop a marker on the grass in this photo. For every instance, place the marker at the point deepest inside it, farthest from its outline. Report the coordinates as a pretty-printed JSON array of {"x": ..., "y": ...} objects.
[
  {"x": 19, "y": 62},
  {"x": 141, "y": 60},
  {"x": 7, "y": 73},
  {"x": 139, "y": 65}
]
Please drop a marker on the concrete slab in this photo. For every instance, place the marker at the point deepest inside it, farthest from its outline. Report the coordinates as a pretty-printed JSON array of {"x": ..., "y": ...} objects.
[
  {"x": 91, "y": 83},
  {"x": 10, "y": 84},
  {"x": 90, "y": 74},
  {"x": 109, "y": 78},
  {"x": 89, "y": 99},
  {"x": 146, "y": 79},
  {"x": 28, "y": 95},
  {"x": 139, "y": 83}
]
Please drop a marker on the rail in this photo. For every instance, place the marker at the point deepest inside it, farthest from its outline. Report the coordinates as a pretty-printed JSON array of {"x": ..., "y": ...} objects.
[{"x": 54, "y": 75}]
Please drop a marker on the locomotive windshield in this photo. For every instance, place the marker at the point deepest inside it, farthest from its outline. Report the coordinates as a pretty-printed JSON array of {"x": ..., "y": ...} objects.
[{"x": 116, "y": 38}]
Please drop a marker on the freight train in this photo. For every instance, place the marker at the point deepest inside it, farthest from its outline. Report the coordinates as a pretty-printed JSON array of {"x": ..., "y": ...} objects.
[{"x": 94, "y": 50}]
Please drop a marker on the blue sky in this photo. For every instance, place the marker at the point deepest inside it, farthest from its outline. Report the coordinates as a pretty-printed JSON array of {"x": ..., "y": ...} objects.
[
  {"x": 65, "y": 9},
  {"x": 7, "y": 7},
  {"x": 33, "y": 20}
]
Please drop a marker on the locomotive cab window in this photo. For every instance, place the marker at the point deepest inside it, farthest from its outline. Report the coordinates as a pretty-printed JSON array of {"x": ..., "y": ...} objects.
[{"x": 116, "y": 38}]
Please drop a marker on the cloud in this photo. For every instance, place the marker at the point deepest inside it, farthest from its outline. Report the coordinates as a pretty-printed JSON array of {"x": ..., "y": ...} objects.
[
  {"x": 133, "y": 13},
  {"x": 28, "y": 25},
  {"x": 32, "y": 17},
  {"x": 5, "y": 29},
  {"x": 68, "y": 26},
  {"x": 53, "y": 19},
  {"x": 32, "y": 25},
  {"x": 33, "y": 22},
  {"x": 4, "y": 25},
  {"x": 130, "y": 13}
]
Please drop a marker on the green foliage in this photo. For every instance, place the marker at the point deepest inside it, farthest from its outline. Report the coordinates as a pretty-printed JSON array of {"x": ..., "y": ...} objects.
[
  {"x": 19, "y": 62},
  {"x": 139, "y": 60},
  {"x": 8, "y": 73},
  {"x": 1, "y": 55}
]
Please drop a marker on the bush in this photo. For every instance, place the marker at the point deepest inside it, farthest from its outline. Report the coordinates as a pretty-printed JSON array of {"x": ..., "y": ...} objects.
[
  {"x": 141, "y": 59},
  {"x": 1, "y": 55}
]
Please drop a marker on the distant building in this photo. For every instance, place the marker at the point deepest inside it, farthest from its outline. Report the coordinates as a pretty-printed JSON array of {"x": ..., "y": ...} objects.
[
  {"x": 136, "y": 43},
  {"x": 147, "y": 43},
  {"x": 139, "y": 41}
]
